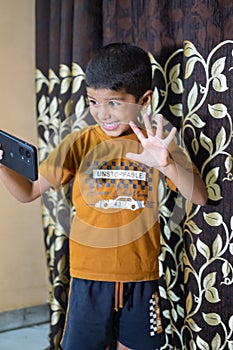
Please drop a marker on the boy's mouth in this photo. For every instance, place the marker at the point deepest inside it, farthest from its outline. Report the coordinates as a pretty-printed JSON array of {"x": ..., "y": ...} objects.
[{"x": 110, "y": 126}]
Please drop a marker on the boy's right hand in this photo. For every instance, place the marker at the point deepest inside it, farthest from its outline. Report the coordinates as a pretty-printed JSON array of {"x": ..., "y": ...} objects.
[{"x": 20, "y": 187}]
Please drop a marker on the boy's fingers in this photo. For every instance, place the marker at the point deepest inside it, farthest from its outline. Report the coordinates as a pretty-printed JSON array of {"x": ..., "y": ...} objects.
[
  {"x": 159, "y": 131},
  {"x": 137, "y": 131},
  {"x": 170, "y": 136},
  {"x": 148, "y": 126}
]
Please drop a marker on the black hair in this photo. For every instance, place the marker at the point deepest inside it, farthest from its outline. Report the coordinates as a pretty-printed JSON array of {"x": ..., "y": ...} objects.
[{"x": 120, "y": 66}]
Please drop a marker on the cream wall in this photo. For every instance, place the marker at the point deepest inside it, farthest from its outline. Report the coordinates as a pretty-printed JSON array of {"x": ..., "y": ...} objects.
[{"x": 23, "y": 274}]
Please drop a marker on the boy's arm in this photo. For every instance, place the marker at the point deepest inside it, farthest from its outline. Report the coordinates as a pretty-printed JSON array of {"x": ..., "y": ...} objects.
[
  {"x": 190, "y": 185},
  {"x": 20, "y": 187},
  {"x": 156, "y": 154}
]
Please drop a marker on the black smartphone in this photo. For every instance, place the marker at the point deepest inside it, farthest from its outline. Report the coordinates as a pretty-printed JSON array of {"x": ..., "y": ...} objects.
[{"x": 19, "y": 155}]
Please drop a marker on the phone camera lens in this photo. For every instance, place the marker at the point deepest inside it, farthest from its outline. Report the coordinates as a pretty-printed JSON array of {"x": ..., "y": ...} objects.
[
  {"x": 21, "y": 151},
  {"x": 28, "y": 154}
]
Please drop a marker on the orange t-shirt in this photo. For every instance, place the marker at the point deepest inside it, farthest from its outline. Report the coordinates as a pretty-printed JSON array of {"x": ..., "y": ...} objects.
[{"x": 115, "y": 234}]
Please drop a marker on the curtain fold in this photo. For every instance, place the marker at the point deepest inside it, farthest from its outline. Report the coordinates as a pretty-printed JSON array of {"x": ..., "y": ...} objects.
[{"x": 190, "y": 45}]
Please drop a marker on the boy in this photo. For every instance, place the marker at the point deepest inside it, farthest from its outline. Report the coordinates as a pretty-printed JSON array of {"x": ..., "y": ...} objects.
[{"x": 114, "y": 239}]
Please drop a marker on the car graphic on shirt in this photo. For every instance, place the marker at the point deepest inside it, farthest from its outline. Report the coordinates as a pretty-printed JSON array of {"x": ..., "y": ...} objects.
[{"x": 121, "y": 202}]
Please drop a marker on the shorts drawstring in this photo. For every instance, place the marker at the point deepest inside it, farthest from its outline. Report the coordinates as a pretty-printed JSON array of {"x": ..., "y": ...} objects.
[{"x": 119, "y": 290}]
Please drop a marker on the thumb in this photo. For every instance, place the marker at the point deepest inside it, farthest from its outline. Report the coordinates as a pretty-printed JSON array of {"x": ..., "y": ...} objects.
[{"x": 133, "y": 156}]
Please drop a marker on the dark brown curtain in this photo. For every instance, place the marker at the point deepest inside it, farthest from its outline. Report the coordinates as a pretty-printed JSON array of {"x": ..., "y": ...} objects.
[{"x": 190, "y": 44}]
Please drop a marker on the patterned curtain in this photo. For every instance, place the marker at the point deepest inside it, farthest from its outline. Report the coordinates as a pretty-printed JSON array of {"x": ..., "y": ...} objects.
[{"x": 191, "y": 50}]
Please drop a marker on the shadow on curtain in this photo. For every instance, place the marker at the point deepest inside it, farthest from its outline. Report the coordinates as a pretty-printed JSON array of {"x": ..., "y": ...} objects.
[{"x": 191, "y": 51}]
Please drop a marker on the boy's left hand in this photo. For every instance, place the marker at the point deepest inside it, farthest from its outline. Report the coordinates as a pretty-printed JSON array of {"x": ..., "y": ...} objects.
[{"x": 155, "y": 152}]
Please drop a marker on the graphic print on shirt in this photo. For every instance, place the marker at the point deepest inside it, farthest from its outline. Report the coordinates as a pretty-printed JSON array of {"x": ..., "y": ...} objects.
[
  {"x": 122, "y": 201},
  {"x": 118, "y": 184},
  {"x": 109, "y": 182},
  {"x": 117, "y": 199}
]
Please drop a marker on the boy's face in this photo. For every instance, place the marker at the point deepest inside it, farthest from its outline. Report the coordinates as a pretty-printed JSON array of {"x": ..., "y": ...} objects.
[{"x": 113, "y": 110}]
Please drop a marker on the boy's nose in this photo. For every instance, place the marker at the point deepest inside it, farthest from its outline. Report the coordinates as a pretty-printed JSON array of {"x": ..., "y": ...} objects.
[{"x": 104, "y": 112}]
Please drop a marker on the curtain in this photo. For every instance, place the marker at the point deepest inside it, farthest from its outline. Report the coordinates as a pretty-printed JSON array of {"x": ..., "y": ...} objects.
[{"x": 191, "y": 49}]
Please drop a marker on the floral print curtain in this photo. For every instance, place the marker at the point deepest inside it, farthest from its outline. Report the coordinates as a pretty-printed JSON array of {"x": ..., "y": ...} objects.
[{"x": 190, "y": 44}]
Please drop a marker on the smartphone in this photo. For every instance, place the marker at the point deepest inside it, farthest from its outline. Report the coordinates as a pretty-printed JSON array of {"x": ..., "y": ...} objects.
[{"x": 19, "y": 155}]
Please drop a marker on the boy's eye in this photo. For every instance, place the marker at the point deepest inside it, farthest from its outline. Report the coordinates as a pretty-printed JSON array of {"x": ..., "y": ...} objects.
[
  {"x": 114, "y": 103},
  {"x": 110, "y": 103},
  {"x": 92, "y": 103}
]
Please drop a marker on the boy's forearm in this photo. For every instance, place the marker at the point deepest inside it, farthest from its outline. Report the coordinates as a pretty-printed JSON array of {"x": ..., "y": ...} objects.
[
  {"x": 190, "y": 185},
  {"x": 20, "y": 187}
]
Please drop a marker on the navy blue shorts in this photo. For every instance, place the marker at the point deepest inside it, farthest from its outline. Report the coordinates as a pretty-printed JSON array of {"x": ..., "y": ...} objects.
[{"x": 92, "y": 321}]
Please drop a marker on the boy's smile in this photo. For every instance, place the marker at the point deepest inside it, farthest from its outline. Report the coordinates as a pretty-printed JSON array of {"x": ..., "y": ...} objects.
[{"x": 113, "y": 110}]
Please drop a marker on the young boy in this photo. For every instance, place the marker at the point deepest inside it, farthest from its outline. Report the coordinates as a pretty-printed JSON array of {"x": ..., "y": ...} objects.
[{"x": 114, "y": 239}]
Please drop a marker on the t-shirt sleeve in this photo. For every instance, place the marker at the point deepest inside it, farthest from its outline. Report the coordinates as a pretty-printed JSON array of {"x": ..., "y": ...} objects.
[
  {"x": 171, "y": 184},
  {"x": 59, "y": 167}
]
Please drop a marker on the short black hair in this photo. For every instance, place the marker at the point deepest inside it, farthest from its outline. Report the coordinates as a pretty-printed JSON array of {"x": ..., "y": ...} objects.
[{"x": 120, "y": 66}]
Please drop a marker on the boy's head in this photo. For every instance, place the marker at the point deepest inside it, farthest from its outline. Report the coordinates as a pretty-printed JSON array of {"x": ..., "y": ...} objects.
[
  {"x": 120, "y": 67},
  {"x": 119, "y": 80}
]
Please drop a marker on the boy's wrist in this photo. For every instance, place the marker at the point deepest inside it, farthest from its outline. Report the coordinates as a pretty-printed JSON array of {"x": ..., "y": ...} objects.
[{"x": 168, "y": 168}]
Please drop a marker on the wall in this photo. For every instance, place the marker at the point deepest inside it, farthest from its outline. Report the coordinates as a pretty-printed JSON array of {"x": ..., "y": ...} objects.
[{"x": 23, "y": 274}]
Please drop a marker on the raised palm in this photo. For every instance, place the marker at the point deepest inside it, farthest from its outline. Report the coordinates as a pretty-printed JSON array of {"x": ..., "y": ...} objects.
[{"x": 155, "y": 146}]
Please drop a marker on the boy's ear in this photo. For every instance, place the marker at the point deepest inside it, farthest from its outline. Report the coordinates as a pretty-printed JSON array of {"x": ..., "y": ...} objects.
[{"x": 145, "y": 99}]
